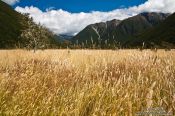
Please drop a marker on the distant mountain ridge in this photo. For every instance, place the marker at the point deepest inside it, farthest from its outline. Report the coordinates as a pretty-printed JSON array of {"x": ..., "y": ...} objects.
[{"x": 117, "y": 31}]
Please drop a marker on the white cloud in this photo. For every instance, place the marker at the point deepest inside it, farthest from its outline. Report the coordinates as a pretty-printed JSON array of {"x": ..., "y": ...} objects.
[
  {"x": 63, "y": 22},
  {"x": 11, "y": 2},
  {"x": 166, "y": 6}
]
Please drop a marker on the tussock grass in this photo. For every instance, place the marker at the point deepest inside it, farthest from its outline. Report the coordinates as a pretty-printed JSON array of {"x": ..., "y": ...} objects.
[{"x": 86, "y": 82}]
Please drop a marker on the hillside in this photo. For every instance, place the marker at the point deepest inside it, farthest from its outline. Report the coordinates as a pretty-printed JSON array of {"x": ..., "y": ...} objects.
[
  {"x": 162, "y": 35},
  {"x": 92, "y": 33},
  {"x": 11, "y": 25},
  {"x": 115, "y": 31}
]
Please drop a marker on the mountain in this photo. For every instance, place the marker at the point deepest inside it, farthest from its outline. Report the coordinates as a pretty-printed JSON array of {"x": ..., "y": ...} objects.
[
  {"x": 11, "y": 25},
  {"x": 93, "y": 33},
  {"x": 62, "y": 38},
  {"x": 161, "y": 36},
  {"x": 118, "y": 32}
]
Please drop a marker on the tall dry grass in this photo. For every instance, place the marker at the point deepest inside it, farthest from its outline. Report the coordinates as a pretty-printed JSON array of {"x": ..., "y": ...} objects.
[{"x": 85, "y": 83}]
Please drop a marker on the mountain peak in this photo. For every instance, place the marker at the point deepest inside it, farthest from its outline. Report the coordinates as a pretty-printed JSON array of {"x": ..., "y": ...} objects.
[
  {"x": 153, "y": 17},
  {"x": 119, "y": 31}
]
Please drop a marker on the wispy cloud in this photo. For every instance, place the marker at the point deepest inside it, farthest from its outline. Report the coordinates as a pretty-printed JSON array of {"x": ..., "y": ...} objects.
[
  {"x": 50, "y": 8},
  {"x": 63, "y": 22}
]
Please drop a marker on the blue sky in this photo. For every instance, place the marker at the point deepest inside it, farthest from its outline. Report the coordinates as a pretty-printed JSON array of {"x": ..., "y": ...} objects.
[{"x": 80, "y": 5}]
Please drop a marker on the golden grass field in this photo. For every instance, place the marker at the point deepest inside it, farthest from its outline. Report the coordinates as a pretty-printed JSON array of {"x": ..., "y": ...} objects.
[{"x": 86, "y": 82}]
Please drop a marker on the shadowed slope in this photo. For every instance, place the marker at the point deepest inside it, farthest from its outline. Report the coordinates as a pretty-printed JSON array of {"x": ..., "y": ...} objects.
[{"x": 118, "y": 31}]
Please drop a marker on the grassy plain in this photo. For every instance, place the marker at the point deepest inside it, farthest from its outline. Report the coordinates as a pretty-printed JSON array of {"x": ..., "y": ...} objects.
[{"x": 86, "y": 82}]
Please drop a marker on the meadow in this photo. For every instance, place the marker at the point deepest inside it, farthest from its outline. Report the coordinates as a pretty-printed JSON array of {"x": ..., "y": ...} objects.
[{"x": 86, "y": 82}]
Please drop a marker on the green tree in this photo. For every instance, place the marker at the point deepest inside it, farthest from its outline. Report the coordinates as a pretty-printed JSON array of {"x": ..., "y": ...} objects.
[{"x": 36, "y": 36}]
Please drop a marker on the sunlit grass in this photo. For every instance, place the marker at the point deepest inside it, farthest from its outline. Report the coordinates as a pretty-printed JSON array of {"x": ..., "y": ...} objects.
[{"x": 86, "y": 82}]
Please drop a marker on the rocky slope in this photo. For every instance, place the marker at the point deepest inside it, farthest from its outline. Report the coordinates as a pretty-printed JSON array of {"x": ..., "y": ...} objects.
[{"x": 118, "y": 32}]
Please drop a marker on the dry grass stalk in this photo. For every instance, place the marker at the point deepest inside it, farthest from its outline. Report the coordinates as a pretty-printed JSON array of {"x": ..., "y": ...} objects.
[{"x": 84, "y": 82}]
